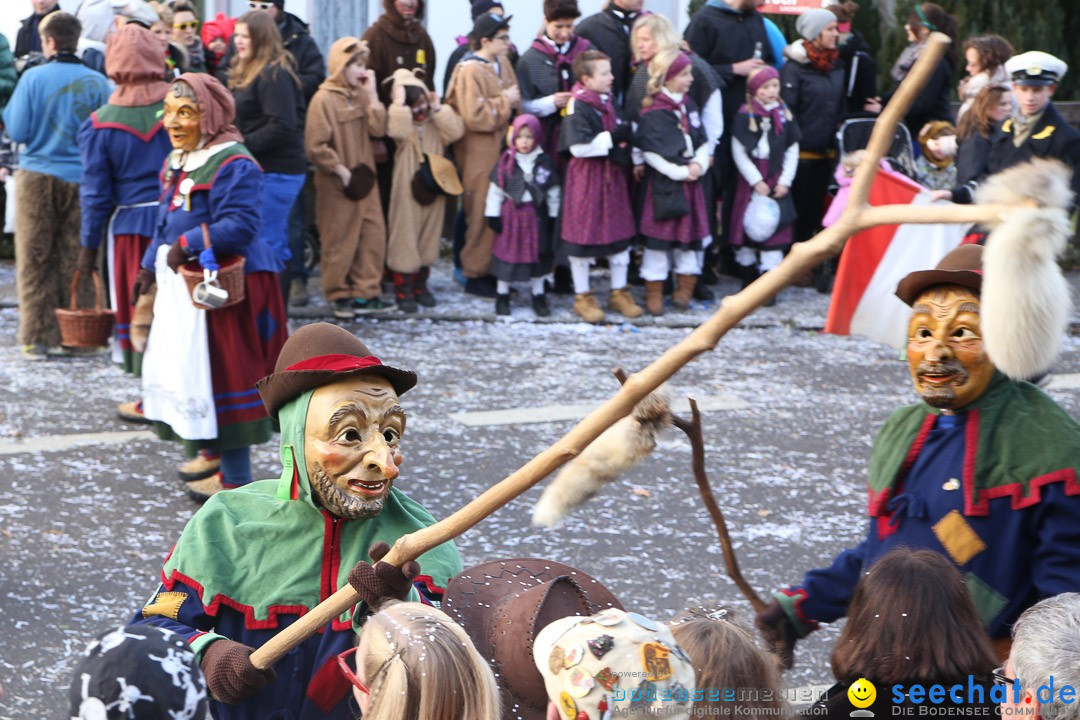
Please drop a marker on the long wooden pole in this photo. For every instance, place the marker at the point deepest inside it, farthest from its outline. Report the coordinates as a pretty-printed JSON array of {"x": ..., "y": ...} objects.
[{"x": 857, "y": 216}]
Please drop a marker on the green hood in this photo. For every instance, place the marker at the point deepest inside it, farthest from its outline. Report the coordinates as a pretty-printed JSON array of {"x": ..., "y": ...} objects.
[{"x": 267, "y": 548}]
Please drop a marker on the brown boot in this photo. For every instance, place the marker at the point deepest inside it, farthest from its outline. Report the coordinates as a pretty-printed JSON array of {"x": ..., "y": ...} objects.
[
  {"x": 622, "y": 302},
  {"x": 654, "y": 297},
  {"x": 684, "y": 291},
  {"x": 586, "y": 307}
]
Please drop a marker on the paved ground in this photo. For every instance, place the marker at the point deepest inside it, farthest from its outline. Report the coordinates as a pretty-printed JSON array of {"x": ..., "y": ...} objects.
[{"x": 86, "y": 521}]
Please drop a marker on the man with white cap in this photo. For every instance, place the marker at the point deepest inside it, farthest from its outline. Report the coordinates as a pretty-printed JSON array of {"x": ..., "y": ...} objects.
[{"x": 1035, "y": 128}]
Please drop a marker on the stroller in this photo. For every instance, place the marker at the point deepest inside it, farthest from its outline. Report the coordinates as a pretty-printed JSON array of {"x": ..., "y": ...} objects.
[{"x": 854, "y": 134}]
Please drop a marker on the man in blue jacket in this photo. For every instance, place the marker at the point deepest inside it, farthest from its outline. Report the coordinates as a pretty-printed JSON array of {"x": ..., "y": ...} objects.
[{"x": 50, "y": 102}]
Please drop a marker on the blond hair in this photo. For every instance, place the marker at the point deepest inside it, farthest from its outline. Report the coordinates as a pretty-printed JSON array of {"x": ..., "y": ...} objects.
[
  {"x": 663, "y": 33},
  {"x": 658, "y": 68},
  {"x": 420, "y": 665},
  {"x": 267, "y": 50}
]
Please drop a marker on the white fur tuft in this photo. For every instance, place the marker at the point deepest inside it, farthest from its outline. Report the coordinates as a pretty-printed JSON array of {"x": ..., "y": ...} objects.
[
  {"x": 1026, "y": 301},
  {"x": 619, "y": 448}
]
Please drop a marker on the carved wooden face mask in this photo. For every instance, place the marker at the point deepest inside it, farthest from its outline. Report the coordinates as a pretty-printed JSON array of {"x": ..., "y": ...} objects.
[
  {"x": 352, "y": 438},
  {"x": 945, "y": 348},
  {"x": 181, "y": 121}
]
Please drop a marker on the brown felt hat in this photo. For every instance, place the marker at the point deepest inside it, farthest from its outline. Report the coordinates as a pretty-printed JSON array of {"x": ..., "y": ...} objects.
[
  {"x": 319, "y": 354},
  {"x": 504, "y": 604},
  {"x": 962, "y": 266}
]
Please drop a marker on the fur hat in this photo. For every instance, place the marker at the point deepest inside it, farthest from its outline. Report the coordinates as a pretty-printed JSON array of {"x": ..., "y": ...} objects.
[
  {"x": 504, "y": 604},
  {"x": 611, "y": 664},
  {"x": 319, "y": 354}
]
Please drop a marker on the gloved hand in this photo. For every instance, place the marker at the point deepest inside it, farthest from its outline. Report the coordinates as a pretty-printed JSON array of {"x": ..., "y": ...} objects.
[
  {"x": 495, "y": 223},
  {"x": 778, "y": 632},
  {"x": 143, "y": 282},
  {"x": 208, "y": 260},
  {"x": 380, "y": 581},
  {"x": 177, "y": 256},
  {"x": 87, "y": 262},
  {"x": 622, "y": 133},
  {"x": 229, "y": 673}
]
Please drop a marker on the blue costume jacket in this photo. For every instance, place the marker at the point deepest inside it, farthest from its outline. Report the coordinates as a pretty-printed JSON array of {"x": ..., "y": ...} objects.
[
  {"x": 122, "y": 151},
  {"x": 220, "y": 186},
  {"x": 994, "y": 488}
]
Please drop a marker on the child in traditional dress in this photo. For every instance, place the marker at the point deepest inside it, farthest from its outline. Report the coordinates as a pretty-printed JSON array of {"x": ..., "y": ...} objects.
[
  {"x": 419, "y": 124},
  {"x": 675, "y": 151},
  {"x": 522, "y": 204},
  {"x": 598, "y": 220},
  {"x": 766, "y": 153}
]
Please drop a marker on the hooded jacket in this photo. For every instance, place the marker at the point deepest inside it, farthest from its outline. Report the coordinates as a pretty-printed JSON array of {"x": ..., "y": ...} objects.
[
  {"x": 254, "y": 559},
  {"x": 396, "y": 44},
  {"x": 341, "y": 120},
  {"x": 123, "y": 144}
]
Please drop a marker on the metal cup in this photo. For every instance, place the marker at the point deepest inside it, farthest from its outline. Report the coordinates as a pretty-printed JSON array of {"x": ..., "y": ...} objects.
[{"x": 208, "y": 292}]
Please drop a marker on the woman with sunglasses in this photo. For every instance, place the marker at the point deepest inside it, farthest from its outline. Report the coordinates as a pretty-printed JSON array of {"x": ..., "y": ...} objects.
[
  {"x": 185, "y": 33},
  {"x": 912, "y": 625},
  {"x": 414, "y": 663},
  {"x": 270, "y": 114}
]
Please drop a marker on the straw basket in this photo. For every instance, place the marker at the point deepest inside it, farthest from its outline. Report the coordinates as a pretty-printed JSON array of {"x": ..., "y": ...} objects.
[
  {"x": 230, "y": 275},
  {"x": 85, "y": 327}
]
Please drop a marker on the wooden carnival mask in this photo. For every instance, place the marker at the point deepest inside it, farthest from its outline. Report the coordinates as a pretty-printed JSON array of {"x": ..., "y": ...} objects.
[
  {"x": 948, "y": 362},
  {"x": 352, "y": 438},
  {"x": 181, "y": 120}
]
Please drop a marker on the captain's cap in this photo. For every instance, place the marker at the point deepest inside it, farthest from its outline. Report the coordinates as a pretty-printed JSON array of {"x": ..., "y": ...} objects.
[{"x": 1035, "y": 68}]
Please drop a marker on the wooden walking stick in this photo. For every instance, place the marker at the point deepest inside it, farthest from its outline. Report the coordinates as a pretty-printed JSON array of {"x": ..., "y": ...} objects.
[{"x": 803, "y": 256}]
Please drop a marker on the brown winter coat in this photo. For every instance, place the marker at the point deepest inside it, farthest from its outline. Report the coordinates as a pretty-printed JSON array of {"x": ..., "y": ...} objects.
[
  {"x": 476, "y": 92},
  {"x": 396, "y": 44},
  {"x": 341, "y": 121},
  {"x": 415, "y": 228}
]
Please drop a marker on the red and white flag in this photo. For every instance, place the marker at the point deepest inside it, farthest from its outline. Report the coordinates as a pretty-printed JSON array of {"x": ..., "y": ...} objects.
[{"x": 875, "y": 260}]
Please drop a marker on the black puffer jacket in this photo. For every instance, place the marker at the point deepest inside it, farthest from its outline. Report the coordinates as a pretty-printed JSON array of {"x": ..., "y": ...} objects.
[{"x": 815, "y": 98}]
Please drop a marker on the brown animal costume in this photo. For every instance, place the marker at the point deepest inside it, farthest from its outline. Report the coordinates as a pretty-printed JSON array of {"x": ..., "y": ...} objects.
[
  {"x": 415, "y": 228},
  {"x": 476, "y": 92},
  {"x": 396, "y": 43},
  {"x": 341, "y": 122}
]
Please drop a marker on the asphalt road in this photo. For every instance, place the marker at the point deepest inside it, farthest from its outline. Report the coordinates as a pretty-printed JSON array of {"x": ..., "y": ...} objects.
[{"x": 85, "y": 522}]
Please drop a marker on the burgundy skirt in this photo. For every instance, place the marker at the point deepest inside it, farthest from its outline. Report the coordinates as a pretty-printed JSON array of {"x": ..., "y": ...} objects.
[
  {"x": 128, "y": 252},
  {"x": 598, "y": 217},
  {"x": 743, "y": 192},
  {"x": 683, "y": 233}
]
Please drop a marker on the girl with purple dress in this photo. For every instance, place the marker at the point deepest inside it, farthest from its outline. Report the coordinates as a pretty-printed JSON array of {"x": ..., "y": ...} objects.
[
  {"x": 675, "y": 150},
  {"x": 522, "y": 204},
  {"x": 766, "y": 153},
  {"x": 598, "y": 220}
]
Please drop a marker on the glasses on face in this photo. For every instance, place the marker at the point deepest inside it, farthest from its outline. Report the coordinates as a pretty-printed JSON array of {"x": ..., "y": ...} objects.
[
  {"x": 504, "y": 38},
  {"x": 186, "y": 25},
  {"x": 345, "y": 663},
  {"x": 260, "y": 5},
  {"x": 1000, "y": 678}
]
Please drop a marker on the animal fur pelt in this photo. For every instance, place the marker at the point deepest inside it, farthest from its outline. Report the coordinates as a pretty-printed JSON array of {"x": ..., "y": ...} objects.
[
  {"x": 1026, "y": 302},
  {"x": 619, "y": 448}
]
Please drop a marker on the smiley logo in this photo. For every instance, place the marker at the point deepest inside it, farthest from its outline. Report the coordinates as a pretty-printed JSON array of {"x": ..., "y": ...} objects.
[{"x": 862, "y": 693}]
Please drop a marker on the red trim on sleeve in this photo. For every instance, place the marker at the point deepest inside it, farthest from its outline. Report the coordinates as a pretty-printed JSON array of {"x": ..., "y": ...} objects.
[
  {"x": 328, "y": 686},
  {"x": 335, "y": 363}
]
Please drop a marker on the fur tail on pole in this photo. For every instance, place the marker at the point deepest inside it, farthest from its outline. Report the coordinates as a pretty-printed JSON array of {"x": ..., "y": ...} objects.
[
  {"x": 1026, "y": 301},
  {"x": 619, "y": 448}
]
